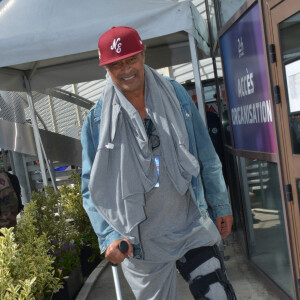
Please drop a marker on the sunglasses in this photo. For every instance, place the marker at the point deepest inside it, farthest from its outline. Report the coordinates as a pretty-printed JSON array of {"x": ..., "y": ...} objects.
[{"x": 154, "y": 140}]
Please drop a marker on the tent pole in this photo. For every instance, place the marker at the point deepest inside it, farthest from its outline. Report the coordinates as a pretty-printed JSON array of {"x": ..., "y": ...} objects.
[
  {"x": 212, "y": 54},
  {"x": 198, "y": 84},
  {"x": 35, "y": 130},
  {"x": 48, "y": 166}
]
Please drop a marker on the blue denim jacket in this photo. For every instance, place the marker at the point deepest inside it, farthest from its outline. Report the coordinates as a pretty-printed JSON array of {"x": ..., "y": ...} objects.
[{"x": 208, "y": 188}]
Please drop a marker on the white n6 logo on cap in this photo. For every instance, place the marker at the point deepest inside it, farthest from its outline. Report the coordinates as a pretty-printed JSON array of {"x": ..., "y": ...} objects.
[{"x": 116, "y": 45}]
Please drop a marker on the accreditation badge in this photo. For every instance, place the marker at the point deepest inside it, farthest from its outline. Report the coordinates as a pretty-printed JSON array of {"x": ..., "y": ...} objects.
[{"x": 156, "y": 159}]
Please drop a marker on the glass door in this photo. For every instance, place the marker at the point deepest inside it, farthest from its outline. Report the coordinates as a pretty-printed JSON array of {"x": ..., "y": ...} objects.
[{"x": 285, "y": 28}]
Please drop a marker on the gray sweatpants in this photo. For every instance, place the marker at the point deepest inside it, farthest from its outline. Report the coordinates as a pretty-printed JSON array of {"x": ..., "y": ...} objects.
[{"x": 154, "y": 277}]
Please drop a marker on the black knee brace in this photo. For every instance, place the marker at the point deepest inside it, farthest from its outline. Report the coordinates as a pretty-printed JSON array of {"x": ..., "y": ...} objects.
[{"x": 199, "y": 286}]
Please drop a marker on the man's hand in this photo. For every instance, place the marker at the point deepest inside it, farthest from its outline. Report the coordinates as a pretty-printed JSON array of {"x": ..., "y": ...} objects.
[
  {"x": 113, "y": 253},
  {"x": 224, "y": 225}
]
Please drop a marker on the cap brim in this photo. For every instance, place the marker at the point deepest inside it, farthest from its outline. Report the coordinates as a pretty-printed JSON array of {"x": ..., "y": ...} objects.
[{"x": 109, "y": 61}]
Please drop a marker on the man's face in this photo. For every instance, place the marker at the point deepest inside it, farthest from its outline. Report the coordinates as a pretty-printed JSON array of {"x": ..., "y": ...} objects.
[
  {"x": 8, "y": 219},
  {"x": 128, "y": 74}
]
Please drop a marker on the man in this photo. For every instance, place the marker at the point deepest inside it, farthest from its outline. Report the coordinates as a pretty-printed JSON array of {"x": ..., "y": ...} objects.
[{"x": 148, "y": 166}]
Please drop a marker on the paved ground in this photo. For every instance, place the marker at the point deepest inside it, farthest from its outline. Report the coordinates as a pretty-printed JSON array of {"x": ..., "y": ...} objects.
[{"x": 246, "y": 284}]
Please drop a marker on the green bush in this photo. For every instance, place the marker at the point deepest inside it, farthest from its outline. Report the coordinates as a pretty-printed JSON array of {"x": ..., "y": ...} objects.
[
  {"x": 61, "y": 234},
  {"x": 72, "y": 206},
  {"x": 46, "y": 245},
  {"x": 26, "y": 269}
]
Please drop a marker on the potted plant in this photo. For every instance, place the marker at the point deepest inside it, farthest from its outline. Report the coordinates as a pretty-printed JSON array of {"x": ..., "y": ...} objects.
[
  {"x": 72, "y": 206},
  {"x": 26, "y": 269},
  {"x": 42, "y": 259},
  {"x": 62, "y": 235}
]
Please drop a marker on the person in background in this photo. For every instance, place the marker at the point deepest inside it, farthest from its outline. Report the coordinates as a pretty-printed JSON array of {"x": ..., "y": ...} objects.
[
  {"x": 148, "y": 169},
  {"x": 10, "y": 199},
  {"x": 214, "y": 130}
]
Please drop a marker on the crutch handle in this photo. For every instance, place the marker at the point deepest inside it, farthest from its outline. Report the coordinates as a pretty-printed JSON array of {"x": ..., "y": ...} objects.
[{"x": 123, "y": 246}]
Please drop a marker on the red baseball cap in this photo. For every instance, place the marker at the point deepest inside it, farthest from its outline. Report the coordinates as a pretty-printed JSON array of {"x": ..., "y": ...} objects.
[{"x": 118, "y": 43}]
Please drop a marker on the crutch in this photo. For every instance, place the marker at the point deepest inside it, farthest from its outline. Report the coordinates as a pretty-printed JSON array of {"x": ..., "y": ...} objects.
[{"x": 123, "y": 246}]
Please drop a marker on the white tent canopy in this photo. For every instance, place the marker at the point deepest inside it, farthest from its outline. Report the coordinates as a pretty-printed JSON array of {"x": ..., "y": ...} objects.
[
  {"x": 55, "y": 42},
  {"x": 45, "y": 44}
]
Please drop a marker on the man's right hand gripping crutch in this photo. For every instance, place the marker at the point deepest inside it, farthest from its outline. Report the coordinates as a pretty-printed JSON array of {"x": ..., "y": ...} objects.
[{"x": 123, "y": 247}]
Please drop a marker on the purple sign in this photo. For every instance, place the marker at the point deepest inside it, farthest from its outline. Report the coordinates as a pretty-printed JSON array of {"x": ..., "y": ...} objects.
[{"x": 247, "y": 84}]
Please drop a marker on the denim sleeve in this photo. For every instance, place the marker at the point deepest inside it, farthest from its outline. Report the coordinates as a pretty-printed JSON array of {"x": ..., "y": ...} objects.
[
  {"x": 105, "y": 233},
  {"x": 211, "y": 168},
  {"x": 212, "y": 178}
]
